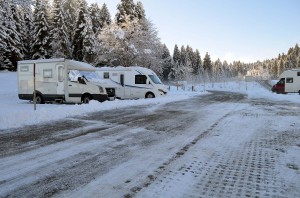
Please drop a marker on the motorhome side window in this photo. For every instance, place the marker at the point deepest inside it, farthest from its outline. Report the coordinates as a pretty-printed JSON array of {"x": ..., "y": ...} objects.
[
  {"x": 47, "y": 73},
  {"x": 60, "y": 74},
  {"x": 24, "y": 68},
  {"x": 298, "y": 73},
  {"x": 106, "y": 75},
  {"x": 140, "y": 79},
  {"x": 289, "y": 80}
]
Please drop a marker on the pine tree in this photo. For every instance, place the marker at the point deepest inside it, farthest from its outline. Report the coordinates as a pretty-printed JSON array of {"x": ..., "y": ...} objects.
[
  {"x": 27, "y": 28},
  {"x": 13, "y": 51},
  {"x": 95, "y": 14},
  {"x": 218, "y": 69},
  {"x": 60, "y": 42},
  {"x": 71, "y": 8},
  {"x": 281, "y": 67},
  {"x": 3, "y": 36},
  {"x": 19, "y": 24},
  {"x": 275, "y": 68},
  {"x": 139, "y": 11},
  {"x": 176, "y": 55},
  {"x": 125, "y": 13},
  {"x": 105, "y": 18},
  {"x": 183, "y": 55},
  {"x": 84, "y": 37},
  {"x": 198, "y": 63},
  {"x": 167, "y": 63},
  {"x": 207, "y": 64},
  {"x": 41, "y": 47}
]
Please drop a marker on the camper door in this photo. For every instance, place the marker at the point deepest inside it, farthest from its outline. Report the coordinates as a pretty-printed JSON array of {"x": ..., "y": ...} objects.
[
  {"x": 60, "y": 79},
  {"x": 124, "y": 89}
]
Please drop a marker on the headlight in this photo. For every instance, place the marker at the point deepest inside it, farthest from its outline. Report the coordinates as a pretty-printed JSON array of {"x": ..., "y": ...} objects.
[
  {"x": 164, "y": 92},
  {"x": 101, "y": 89}
]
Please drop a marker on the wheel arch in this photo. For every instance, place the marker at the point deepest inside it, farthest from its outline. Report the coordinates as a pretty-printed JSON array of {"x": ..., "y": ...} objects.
[{"x": 149, "y": 93}]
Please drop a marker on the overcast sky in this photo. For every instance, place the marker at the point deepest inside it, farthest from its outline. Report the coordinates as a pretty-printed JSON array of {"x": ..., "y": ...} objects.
[{"x": 246, "y": 30}]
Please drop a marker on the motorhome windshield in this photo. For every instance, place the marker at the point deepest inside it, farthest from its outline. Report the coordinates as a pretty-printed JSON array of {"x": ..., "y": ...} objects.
[
  {"x": 88, "y": 75},
  {"x": 155, "y": 79}
]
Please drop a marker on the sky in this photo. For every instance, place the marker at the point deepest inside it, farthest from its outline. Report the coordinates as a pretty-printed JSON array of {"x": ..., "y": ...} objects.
[{"x": 246, "y": 30}]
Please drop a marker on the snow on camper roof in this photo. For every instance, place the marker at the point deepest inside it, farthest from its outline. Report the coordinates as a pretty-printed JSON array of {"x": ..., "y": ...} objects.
[
  {"x": 42, "y": 61},
  {"x": 71, "y": 64},
  {"x": 76, "y": 65},
  {"x": 130, "y": 68}
]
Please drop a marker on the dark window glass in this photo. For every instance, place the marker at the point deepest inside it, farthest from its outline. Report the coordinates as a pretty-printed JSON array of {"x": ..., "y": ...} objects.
[
  {"x": 106, "y": 75},
  {"x": 289, "y": 80},
  {"x": 140, "y": 79},
  {"x": 298, "y": 73}
]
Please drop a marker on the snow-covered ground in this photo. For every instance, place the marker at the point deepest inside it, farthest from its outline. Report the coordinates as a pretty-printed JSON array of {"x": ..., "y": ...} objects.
[
  {"x": 18, "y": 113},
  {"x": 212, "y": 145}
]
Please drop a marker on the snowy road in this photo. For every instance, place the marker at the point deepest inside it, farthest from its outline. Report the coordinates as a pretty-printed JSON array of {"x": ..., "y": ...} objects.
[{"x": 217, "y": 145}]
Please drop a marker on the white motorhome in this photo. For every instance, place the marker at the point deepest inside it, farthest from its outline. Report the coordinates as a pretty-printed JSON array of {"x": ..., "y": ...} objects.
[
  {"x": 53, "y": 84},
  {"x": 289, "y": 82},
  {"x": 132, "y": 82}
]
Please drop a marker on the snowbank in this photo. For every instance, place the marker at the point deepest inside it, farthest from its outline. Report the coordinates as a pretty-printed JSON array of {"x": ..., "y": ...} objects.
[{"x": 17, "y": 113}]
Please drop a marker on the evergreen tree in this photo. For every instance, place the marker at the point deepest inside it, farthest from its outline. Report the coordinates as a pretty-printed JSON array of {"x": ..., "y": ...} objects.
[
  {"x": 125, "y": 12},
  {"x": 19, "y": 24},
  {"x": 281, "y": 67},
  {"x": 226, "y": 69},
  {"x": 207, "y": 64},
  {"x": 84, "y": 37},
  {"x": 71, "y": 8},
  {"x": 105, "y": 18},
  {"x": 60, "y": 41},
  {"x": 183, "y": 55},
  {"x": 27, "y": 28},
  {"x": 198, "y": 63},
  {"x": 218, "y": 68},
  {"x": 95, "y": 14},
  {"x": 41, "y": 47},
  {"x": 13, "y": 51},
  {"x": 3, "y": 36},
  {"x": 167, "y": 63},
  {"x": 139, "y": 11},
  {"x": 272, "y": 66},
  {"x": 176, "y": 55}
]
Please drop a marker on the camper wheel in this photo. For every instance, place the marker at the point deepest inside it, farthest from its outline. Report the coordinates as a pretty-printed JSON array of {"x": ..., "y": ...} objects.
[
  {"x": 86, "y": 98},
  {"x": 39, "y": 99},
  {"x": 149, "y": 95}
]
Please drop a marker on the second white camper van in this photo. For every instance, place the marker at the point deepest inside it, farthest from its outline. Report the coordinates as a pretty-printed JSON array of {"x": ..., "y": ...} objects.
[
  {"x": 289, "y": 82},
  {"x": 50, "y": 78},
  {"x": 132, "y": 82}
]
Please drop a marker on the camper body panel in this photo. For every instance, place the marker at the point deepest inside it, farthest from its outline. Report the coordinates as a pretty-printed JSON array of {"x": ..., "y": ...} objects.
[
  {"x": 132, "y": 82},
  {"x": 45, "y": 80},
  {"x": 289, "y": 82},
  {"x": 52, "y": 81}
]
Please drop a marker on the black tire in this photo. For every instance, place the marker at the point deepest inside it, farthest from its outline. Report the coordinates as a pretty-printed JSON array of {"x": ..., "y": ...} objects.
[
  {"x": 149, "y": 95},
  {"x": 86, "y": 99},
  {"x": 39, "y": 99}
]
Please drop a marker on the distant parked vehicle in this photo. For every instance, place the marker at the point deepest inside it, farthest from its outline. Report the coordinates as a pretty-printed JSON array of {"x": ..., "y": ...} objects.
[
  {"x": 52, "y": 82},
  {"x": 132, "y": 82},
  {"x": 289, "y": 82}
]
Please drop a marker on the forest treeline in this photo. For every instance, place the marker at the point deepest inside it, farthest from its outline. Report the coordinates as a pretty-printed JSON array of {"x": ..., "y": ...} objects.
[{"x": 75, "y": 30}]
